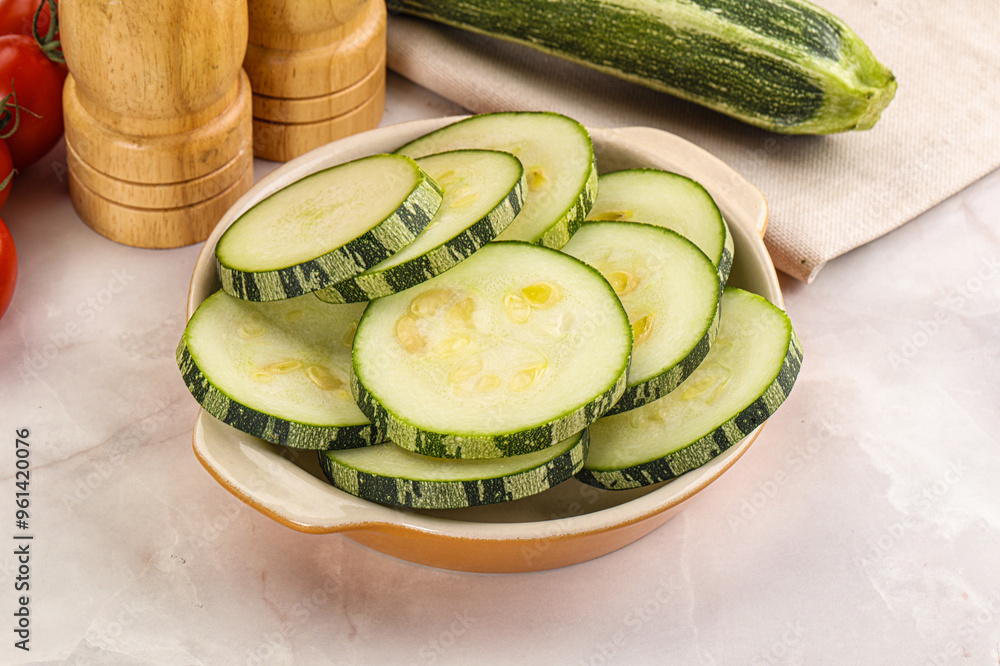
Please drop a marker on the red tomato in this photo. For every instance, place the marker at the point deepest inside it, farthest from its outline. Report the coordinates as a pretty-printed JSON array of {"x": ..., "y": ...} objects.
[
  {"x": 38, "y": 82},
  {"x": 6, "y": 172},
  {"x": 8, "y": 268},
  {"x": 18, "y": 16}
]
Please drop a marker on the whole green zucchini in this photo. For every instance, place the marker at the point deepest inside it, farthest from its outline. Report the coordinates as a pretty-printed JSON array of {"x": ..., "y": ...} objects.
[{"x": 783, "y": 65}]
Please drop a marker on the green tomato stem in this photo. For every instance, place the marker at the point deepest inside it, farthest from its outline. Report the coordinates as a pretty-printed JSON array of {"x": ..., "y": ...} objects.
[{"x": 49, "y": 44}]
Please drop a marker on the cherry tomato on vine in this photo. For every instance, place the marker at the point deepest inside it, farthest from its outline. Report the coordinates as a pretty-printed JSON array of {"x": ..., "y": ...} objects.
[
  {"x": 8, "y": 267},
  {"x": 35, "y": 83},
  {"x": 17, "y": 17},
  {"x": 6, "y": 172}
]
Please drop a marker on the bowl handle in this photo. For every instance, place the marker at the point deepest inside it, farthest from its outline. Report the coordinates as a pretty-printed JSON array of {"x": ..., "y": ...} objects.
[{"x": 250, "y": 469}]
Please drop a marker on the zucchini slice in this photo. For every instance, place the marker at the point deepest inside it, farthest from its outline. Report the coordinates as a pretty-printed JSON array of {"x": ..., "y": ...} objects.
[
  {"x": 513, "y": 350},
  {"x": 670, "y": 291},
  {"x": 668, "y": 200},
  {"x": 278, "y": 371},
  {"x": 326, "y": 228},
  {"x": 483, "y": 192},
  {"x": 389, "y": 474},
  {"x": 559, "y": 167},
  {"x": 746, "y": 376}
]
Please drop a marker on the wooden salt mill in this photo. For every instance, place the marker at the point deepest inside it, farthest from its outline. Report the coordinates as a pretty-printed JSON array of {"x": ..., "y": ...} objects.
[
  {"x": 158, "y": 116},
  {"x": 317, "y": 69}
]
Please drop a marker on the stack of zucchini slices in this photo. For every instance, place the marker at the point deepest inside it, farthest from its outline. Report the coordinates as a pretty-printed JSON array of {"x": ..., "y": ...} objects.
[{"x": 478, "y": 317}]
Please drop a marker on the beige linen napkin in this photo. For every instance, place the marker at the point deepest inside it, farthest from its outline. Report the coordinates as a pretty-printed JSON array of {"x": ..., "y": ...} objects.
[{"x": 828, "y": 194}]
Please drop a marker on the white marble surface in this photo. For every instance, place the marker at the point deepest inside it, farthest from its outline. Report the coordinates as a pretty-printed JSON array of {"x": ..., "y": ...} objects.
[{"x": 862, "y": 527}]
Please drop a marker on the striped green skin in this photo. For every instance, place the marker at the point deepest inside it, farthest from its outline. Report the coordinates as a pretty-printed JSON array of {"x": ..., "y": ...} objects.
[
  {"x": 688, "y": 284},
  {"x": 500, "y": 133},
  {"x": 666, "y": 199},
  {"x": 269, "y": 428},
  {"x": 726, "y": 262},
  {"x": 723, "y": 436},
  {"x": 559, "y": 234},
  {"x": 377, "y": 282},
  {"x": 656, "y": 387},
  {"x": 782, "y": 65},
  {"x": 366, "y": 481},
  {"x": 377, "y": 244},
  {"x": 453, "y": 445},
  {"x": 248, "y": 364},
  {"x": 497, "y": 438}
]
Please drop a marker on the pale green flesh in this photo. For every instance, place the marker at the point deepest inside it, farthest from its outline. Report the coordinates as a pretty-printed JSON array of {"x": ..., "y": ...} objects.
[
  {"x": 746, "y": 357},
  {"x": 474, "y": 182},
  {"x": 265, "y": 355},
  {"x": 318, "y": 214},
  {"x": 663, "y": 199},
  {"x": 674, "y": 292},
  {"x": 391, "y": 461},
  {"x": 556, "y": 152},
  {"x": 464, "y": 379}
]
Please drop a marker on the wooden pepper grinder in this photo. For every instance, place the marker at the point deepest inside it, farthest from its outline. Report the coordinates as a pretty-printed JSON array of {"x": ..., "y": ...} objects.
[
  {"x": 158, "y": 116},
  {"x": 317, "y": 69}
]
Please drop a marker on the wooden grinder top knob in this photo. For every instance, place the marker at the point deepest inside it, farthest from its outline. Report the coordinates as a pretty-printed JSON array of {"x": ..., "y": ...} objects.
[{"x": 148, "y": 68}]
